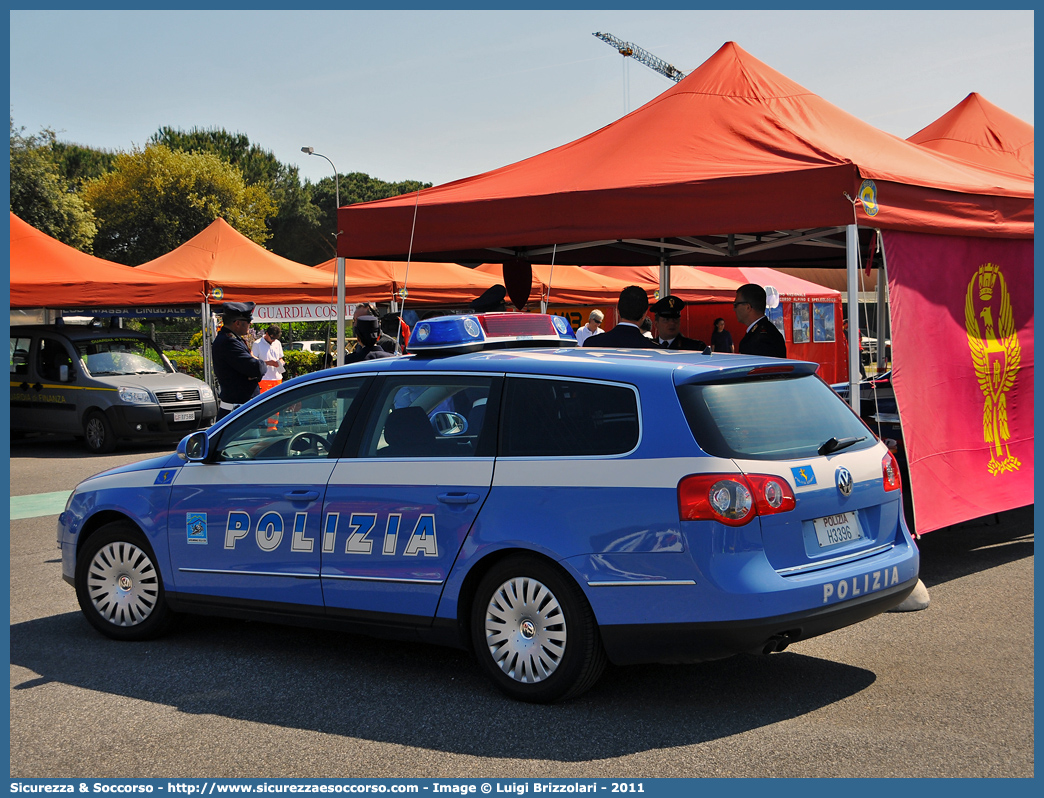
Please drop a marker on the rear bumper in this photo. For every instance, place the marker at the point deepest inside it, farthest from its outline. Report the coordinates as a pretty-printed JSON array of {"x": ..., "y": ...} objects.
[{"x": 631, "y": 644}]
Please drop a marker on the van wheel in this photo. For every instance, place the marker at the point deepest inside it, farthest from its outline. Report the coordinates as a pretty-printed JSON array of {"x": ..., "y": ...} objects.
[
  {"x": 534, "y": 633},
  {"x": 118, "y": 585},
  {"x": 98, "y": 434}
]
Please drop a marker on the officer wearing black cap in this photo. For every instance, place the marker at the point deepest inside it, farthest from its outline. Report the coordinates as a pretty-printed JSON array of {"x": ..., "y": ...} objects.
[
  {"x": 668, "y": 324},
  {"x": 238, "y": 372},
  {"x": 368, "y": 331}
]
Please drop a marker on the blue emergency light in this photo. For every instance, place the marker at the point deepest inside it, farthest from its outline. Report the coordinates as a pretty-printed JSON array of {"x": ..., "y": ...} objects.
[{"x": 457, "y": 334}]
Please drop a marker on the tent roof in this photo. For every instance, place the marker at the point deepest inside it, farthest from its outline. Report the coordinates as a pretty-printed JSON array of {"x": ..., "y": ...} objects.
[
  {"x": 378, "y": 281},
  {"x": 224, "y": 258},
  {"x": 569, "y": 285},
  {"x": 976, "y": 130},
  {"x": 789, "y": 286},
  {"x": 687, "y": 283},
  {"x": 45, "y": 273},
  {"x": 735, "y": 147}
]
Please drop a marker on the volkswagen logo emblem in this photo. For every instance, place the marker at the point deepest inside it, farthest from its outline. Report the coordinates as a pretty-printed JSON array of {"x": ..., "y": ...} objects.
[{"x": 844, "y": 481}]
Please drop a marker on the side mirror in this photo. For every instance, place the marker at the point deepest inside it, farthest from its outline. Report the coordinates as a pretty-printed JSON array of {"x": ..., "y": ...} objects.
[
  {"x": 195, "y": 447},
  {"x": 448, "y": 424}
]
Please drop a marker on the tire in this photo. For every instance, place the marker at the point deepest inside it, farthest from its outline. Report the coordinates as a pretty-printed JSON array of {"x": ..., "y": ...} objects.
[
  {"x": 98, "y": 434},
  {"x": 534, "y": 633},
  {"x": 118, "y": 585}
]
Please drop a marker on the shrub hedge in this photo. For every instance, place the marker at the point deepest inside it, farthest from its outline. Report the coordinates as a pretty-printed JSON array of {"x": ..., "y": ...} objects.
[{"x": 297, "y": 363}]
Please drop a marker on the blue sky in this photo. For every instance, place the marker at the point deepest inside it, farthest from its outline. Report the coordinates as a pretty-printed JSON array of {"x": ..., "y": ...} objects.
[{"x": 441, "y": 95}]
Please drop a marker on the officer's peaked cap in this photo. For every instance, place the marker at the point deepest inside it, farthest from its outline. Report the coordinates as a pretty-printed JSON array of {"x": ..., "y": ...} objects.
[
  {"x": 231, "y": 311},
  {"x": 670, "y": 305}
]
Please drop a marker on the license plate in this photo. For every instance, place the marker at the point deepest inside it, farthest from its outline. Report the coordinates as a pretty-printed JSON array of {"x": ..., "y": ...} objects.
[
  {"x": 184, "y": 416},
  {"x": 836, "y": 529}
]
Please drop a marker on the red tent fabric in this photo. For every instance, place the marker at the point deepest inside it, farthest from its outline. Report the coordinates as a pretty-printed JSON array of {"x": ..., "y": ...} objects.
[
  {"x": 428, "y": 283},
  {"x": 976, "y": 130},
  {"x": 734, "y": 147},
  {"x": 45, "y": 273},
  {"x": 233, "y": 268},
  {"x": 790, "y": 287}
]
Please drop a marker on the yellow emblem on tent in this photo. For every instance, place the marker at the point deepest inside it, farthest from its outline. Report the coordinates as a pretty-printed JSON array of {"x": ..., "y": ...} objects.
[
  {"x": 868, "y": 196},
  {"x": 996, "y": 356}
]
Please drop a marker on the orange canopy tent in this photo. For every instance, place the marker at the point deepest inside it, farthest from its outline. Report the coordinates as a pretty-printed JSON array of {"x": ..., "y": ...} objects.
[
  {"x": 735, "y": 147},
  {"x": 690, "y": 285},
  {"x": 976, "y": 130},
  {"x": 425, "y": 282},
  {"x": 566, "y": 285},
  {"x": 234, "y": 268},
  {"x": 45, "y": 273}
]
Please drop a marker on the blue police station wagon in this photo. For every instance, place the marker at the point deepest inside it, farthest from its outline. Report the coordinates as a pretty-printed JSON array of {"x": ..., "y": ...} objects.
[{"x": 549, "y": 507}]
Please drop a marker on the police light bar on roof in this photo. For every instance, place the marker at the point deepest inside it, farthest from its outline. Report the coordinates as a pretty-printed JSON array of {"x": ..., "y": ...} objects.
[{"x": 455, "y": 334}]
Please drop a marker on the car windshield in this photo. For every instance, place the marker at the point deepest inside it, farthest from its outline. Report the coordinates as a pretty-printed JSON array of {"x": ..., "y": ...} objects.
[
  {"x": 108, "y": 357},
  {"x": 770, "y": 419}
]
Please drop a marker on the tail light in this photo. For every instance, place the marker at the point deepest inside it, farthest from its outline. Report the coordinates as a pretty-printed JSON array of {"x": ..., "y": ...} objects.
[
  {"x": 733, "y": 499},
  {"x": 890, "y": 472}
]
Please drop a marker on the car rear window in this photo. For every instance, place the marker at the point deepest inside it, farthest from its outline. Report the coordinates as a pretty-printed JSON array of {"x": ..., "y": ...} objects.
[{"x": 769, "y": 419}]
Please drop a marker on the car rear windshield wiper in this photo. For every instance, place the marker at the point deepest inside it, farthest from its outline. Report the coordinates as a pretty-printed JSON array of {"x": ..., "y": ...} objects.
[{"x": 837, "y": 444}]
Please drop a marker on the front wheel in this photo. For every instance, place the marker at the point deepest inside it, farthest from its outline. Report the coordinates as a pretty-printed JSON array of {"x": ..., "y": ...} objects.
[
  {"x": 97, "y": 432},
  {"x": 118, "y": 585},
  {"x": 534, "y": 632}
]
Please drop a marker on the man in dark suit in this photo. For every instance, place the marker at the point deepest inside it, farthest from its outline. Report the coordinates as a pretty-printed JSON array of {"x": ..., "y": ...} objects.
[
  {"x": 762, "y": 337},
  {"x": 238, "y": 372},
  {"x": 631, "y": 307},
  {"x": 668, "y": 325}
]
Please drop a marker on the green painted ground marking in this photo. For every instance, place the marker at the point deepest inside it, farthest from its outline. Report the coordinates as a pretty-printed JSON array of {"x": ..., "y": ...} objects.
[{"x": 38, "y": 504}]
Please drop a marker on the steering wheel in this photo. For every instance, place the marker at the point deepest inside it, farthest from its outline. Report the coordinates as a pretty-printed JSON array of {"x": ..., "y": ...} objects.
[{"x": 304, "y": 442}]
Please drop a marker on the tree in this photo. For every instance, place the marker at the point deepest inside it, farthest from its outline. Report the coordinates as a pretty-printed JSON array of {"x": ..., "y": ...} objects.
[
  {"x": 156, "y": 199},
  {"x": 295, "y": 225},
  {"x": 41, "y": 196}
]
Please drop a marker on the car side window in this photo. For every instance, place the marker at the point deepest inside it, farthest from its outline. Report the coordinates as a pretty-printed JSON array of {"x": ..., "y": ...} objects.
[
  {"x": 19, "y": 356},
  {"x": 297, "y": 424},
  {"x": 431, "y": 416},
  {"x": 51, "y": 356},
  {"x": 546, "y": 417}
]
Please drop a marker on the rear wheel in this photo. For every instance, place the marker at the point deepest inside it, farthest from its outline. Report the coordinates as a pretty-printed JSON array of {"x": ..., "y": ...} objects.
[
  {"x": 118, "y": 585},
  {"x": 534, "y": 633},
  {"x": 97, "y": 432}
]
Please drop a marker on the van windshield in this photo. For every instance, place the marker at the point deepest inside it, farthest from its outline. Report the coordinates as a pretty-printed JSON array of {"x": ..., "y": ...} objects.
[{"x": 109, "y": 357}]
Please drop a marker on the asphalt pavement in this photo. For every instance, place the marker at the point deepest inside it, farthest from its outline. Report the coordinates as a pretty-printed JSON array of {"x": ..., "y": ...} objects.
[{"x": 944, "y": 692}]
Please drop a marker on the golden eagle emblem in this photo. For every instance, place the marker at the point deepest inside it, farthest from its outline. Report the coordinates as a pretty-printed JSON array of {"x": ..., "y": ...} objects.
[{"x": 996, "y": 356}]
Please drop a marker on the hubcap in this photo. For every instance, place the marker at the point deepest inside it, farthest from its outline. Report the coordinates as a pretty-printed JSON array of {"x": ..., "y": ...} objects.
[
  {"x": 525, "y": 630},
  {"x": 123, "y": 584},
  {"x": 95, "y": 433}
]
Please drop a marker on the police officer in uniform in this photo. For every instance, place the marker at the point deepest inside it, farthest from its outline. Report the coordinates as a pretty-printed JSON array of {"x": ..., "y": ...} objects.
[
  {"x": 368, "y": 332},
  {"x": 762, "y": 337},
  {"x": 668, "y": 325},
  {"x": 238, "y": 372}
]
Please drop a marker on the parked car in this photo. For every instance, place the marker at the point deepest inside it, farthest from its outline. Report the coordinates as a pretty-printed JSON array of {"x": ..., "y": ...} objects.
[
  {"x": 104, "y": 384},
  {"x": 549, "y": 507},
  {"x": 308, "y": 346}
]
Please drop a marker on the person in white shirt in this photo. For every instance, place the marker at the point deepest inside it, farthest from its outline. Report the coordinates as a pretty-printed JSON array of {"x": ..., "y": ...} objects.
[
  {"x": 591, "y": 328},
  {"x": 268, "y": 350}
]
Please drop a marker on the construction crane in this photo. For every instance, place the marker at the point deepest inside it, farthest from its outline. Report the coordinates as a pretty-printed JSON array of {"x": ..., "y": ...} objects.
[{"x": 627, "y": 49}]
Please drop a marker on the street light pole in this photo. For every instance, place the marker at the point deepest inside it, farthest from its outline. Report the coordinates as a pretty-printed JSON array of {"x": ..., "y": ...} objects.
[{"x": 340, "y": 260}]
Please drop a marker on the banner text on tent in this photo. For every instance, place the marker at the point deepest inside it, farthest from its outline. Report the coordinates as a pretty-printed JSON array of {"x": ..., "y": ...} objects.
[{"x": 263, "y": 313}]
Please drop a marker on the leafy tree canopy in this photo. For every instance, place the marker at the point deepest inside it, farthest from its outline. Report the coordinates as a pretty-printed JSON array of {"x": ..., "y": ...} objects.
[
  {"x": 41, "y": 196},
  {"x": 156, "y": 199}
]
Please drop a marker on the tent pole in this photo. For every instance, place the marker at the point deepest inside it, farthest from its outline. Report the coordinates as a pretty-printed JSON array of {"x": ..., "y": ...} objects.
[
  {"x": 882, "y": 308},
  {"x": 852, "y": 252},
  {"x": 340, "y": 311},
  {"x": 208, "y": 356},
  {"x": 665, "y": 274}
]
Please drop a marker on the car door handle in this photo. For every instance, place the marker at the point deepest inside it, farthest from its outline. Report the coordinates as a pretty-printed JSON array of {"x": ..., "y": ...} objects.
[
  {"x": 38, "y": 387},
  {"x": 458, "y": 498},
  {"x": 24, "y": 386},
  {"x": 301, "y": 495}
]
